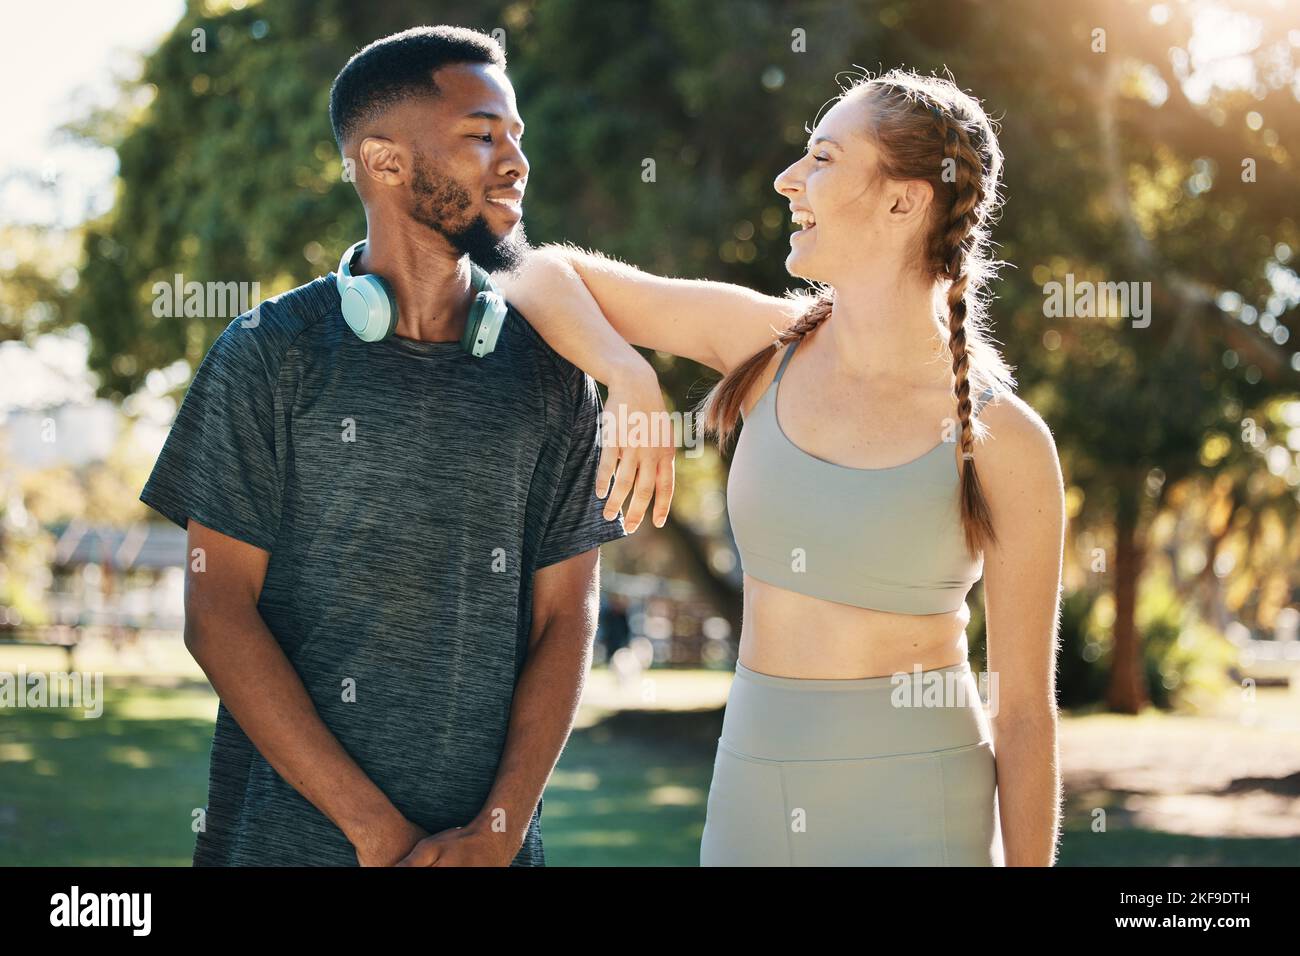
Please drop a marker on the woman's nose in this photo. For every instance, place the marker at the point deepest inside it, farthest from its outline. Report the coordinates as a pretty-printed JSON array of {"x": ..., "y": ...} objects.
[{"x": 785, "y": 183}]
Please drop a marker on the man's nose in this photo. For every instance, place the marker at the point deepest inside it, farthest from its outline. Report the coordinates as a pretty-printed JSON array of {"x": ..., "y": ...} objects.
[{"x": 515, "y": 163}]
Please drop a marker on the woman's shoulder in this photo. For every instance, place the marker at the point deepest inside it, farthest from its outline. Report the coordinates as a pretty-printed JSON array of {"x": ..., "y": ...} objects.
[
  {"x": 999, "y": 406},
  {"x": 1017, "y": 451}
]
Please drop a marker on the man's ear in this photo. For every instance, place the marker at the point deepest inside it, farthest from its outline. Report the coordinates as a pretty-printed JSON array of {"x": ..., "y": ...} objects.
[{"x": 383, "y": 161}]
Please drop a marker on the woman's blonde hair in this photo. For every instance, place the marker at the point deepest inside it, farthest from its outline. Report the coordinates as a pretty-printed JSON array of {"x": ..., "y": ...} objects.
[{"x": 927, "y": 129}]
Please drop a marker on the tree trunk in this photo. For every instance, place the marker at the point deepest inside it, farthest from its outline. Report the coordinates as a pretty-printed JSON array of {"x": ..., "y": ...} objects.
[{"x": 1127, "y": 693}]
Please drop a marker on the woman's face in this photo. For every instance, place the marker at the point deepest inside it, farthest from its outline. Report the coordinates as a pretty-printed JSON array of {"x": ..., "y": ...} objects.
[{"x": 837, "y": 196}]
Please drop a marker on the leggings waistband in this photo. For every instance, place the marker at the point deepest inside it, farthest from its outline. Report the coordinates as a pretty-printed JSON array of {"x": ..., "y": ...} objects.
[
  {"x": 843, "y": 684},
  {"x": 796, "y": 718}
]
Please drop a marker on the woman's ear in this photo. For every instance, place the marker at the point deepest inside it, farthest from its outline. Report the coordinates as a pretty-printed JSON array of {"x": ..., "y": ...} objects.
[{"x": 909, "y": 200}]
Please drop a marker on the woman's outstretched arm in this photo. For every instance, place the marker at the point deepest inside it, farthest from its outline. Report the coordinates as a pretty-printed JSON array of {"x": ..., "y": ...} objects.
[
  {"x": 549, "y": 294},
  {"x": 716, "y": 324},
  {"x": 555, "y": 301}
]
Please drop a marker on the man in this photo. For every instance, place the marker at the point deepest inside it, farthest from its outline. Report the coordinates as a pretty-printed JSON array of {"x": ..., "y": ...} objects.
[{"x": 393, "y": 544}]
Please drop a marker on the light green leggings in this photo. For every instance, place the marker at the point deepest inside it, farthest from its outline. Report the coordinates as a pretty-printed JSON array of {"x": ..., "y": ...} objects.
[{"x": 882, "y": 771}]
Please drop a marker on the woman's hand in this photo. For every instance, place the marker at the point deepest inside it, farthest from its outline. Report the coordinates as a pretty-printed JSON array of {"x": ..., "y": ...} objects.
[{"x": 637, "y": 437}]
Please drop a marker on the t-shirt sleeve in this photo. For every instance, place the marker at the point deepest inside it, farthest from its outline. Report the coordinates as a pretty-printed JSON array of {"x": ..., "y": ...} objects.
[
  {"x": 577, "y": 522},
  {"x": 220, "y": 463}
]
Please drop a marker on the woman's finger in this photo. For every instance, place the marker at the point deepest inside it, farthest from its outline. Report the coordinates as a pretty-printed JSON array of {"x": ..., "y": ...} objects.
[
  {"x": 622, "y": 485},
  {"x": 665, "y": 481},
  {"x": 645, "y": 489},
  {"x": 605, "y": 470}
]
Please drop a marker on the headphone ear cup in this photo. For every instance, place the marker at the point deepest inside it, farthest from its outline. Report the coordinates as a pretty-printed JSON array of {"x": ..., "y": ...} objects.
[
  {"x": 494, "y": 319},
  {"x": 483, "y": 327},
  {"x": 369, "y": 308}
]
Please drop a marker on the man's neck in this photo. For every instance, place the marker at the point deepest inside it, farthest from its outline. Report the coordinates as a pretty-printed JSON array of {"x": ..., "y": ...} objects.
[{"x": 430, "y": 280}]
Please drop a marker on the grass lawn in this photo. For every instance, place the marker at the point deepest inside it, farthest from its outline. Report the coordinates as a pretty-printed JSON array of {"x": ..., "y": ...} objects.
[{"x": 105, "y": 791}]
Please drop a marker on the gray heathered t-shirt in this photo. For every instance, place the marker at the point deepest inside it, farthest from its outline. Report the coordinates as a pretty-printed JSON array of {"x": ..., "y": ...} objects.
[{"x": 406, "y": 492}]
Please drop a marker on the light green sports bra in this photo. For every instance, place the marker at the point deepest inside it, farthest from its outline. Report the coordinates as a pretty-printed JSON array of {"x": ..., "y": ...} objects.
[{"x": 883, "y": 538}]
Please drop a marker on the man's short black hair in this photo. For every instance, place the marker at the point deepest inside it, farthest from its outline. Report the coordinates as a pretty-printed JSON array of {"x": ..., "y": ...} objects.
[{"x": 400, "y": 66}]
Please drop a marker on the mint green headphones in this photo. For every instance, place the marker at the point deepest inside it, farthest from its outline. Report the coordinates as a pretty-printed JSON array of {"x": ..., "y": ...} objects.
[{"x": 370, "y": 308}]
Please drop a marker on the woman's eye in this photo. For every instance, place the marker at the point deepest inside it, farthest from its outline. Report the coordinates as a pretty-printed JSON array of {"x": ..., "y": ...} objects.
[{"x": 822, "y": 158}]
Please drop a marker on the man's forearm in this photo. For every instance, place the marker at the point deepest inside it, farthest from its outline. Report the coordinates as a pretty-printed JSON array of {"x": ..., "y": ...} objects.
[
  {"x": 264, "y": 693},
  {"x": 556, "y": 302},
  {"x": 541, "y": 718}
]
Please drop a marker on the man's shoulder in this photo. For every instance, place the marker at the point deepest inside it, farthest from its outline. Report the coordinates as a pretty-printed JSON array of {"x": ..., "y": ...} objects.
[
  {"x": 265, "y": 333},
  {"x": 557, "y": 373}
]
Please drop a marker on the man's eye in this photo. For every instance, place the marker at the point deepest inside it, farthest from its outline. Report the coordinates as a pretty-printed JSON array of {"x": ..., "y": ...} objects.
[{"x": 486, "y": 137}]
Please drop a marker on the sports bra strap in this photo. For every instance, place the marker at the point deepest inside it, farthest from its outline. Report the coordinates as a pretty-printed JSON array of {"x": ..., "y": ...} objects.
[{"x": 785, "y": 359}]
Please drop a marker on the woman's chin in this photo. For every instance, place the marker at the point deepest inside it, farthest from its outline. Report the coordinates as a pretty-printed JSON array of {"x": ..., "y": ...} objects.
[{"x": 798, "y": 266}]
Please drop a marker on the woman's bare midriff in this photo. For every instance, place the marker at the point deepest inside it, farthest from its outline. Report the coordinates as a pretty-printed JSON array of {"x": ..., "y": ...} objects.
[{"x": 793, "y": 635}]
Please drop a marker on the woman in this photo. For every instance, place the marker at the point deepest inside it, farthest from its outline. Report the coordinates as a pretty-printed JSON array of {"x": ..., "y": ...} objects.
[{"x": 863, "y": 507}]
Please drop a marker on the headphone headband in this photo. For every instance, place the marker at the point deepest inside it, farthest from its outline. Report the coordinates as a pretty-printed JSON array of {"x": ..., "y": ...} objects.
[
  {"x": 370, "y": 307},
  {"x": 345, "y": 264}
]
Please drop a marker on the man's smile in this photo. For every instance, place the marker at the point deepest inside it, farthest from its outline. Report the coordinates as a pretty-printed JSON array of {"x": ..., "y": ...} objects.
[{"x": 512, "y": 203}]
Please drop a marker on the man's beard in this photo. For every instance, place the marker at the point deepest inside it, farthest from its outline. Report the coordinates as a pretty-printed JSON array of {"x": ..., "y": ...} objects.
[{"x": 439, "y": 201}]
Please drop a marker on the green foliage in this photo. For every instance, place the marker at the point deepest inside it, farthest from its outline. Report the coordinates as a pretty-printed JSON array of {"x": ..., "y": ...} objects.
[
  {"x": 1185, "y": 660},
  {"x": 1080, "y": 677},
  {"x": 231, "y": 174},
  {"x": 1183, "y": 657}
]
